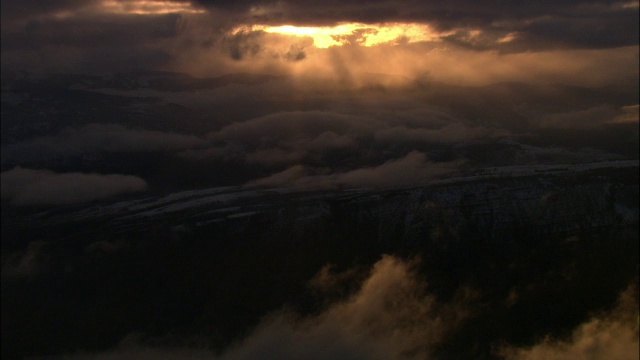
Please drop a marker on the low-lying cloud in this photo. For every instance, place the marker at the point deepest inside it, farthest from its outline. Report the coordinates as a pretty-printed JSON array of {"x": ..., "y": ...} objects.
[
  {"x": 391, "y": 316},
  {"x": 591, "y": 118},
  {"x": 288, "y": 138},
  {"x": 412, "y": 169},
  {"x": 611, "y": 336},
  {"x": 96, "y": 138},
  {"x": 295, "y": 127},
  {"x": 293, "y": 139},
  {"x": 453, "y": 133},
  {"x": 43, "y": 187}
]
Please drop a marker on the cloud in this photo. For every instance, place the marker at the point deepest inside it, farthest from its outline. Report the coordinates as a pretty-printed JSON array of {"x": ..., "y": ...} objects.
[
  {"x": 289, "y": 137},
  {"x": 96, "y": 138},
  {"x": 293, "y": 127},
  {"x": 42, "y": 187},
  {"x": 300, "y": 137},
  {"x": 25, "y": 264},
  {"x": 288, "y": 177},
  {"x": 92, "y": 36},
  {"x": 454, "y": 133},
  {"x": 329, "y": 140},
  {"x": 629, "y": 114},
  {"x": 247, "y": 44},
  {"x": 412, "y": 169},
  {"x": 226, "y": 153},
  {"x": 299, "y": 149},
  {"x": 390, "y": 316},
  {"x": 613, "y": 335},
  {"x": 275, "y": 156},
  {"x": 452, "y": 62},
  {"x": 546, "y": 24},
  {"x": 70, "y": 40},
  {"x": 590, "y": 118}
]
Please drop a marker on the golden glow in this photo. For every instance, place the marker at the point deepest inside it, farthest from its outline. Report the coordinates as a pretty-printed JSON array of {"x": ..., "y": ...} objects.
[
  {"x": 508, "y": 38},
  {"x": 353, "y": 33},
  {"x": 147, "y": 7},
  {"x": 630, "y": 114},
  {"x": 631, "y": 5}
]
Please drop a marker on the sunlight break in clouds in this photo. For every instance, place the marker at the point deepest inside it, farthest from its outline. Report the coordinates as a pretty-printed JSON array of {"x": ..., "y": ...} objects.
[
  {"x": 352, "y": 33},
  {"x": 323, "y": 54}
]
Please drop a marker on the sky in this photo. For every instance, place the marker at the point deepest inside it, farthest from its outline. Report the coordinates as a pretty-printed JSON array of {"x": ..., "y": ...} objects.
[
  {"x": 159, "y": 97},
  {"x": 334, "y": 93},
  {"x": 461, "y": 41}
]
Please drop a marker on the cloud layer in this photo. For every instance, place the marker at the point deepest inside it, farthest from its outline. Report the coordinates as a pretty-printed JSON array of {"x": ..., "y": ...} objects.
[
  {"x": 413, "y": 169},
  {"x": 613, "y": 335},
  {"x": 546, "y": 39},
  {"x": 43, "y": 187},
  {"x": 576, "y": 23},
  {"x": 96, "y": 138},
  {"x": 391, "y": 316}
]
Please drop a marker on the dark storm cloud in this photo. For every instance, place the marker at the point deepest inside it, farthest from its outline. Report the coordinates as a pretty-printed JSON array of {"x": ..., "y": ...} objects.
[
  {"x": 79, "y": 36},
  {"x": 74, "y": 36},
  {"x": 243, "y": 44},
  {"x": 15, "y": 10},
  {"x": 593, "y": 30},
  {"x": 251, "y": 44},
  {"x": 53, "y": 28},
  {"x": 42, "y": 187},
  {"x": 404, "y": 10},
  {"x": 103, "y": 30}
]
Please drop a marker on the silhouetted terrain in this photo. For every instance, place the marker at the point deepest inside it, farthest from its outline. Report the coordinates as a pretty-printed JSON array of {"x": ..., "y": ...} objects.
[{"x": 206, "y": 265}]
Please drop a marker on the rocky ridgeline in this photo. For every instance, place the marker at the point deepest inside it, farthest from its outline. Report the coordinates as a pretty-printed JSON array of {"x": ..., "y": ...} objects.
[{"x": 490, "y": 209}]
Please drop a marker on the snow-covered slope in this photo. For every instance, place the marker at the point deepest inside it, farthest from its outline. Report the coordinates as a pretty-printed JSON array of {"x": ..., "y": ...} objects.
[{"x": 539, "y": 200}]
